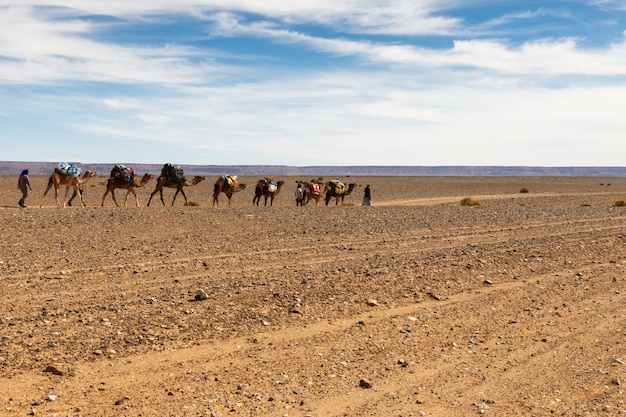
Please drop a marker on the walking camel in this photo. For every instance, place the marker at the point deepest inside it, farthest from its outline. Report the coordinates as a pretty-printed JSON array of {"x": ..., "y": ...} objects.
[
  {"x": 265, "y": 189},
  {"x": 116, "y": 182},
  {"x": 222, "y": 185},
  {"x": 312, "y": 191},
  {"x": 61, "y": 178},
  {"x": 332, "y": 190},
  {"x": 162, "y": 182}
]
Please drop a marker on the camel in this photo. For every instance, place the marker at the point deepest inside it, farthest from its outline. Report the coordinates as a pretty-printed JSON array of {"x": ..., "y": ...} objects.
[
  {"x": 116, "y": 182},
  {"x": 263, "y": 189},
  {"x": 163, "y": 182},
  {"x": 61, "y": 178},
  {"x": 311, "y": 192},
  {"x": 222, "y": 185},
  {"x": 331, "y": 191}
]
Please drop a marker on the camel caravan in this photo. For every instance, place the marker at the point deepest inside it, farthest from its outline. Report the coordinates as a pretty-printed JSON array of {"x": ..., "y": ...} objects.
[{"x": 172, "y": 176}]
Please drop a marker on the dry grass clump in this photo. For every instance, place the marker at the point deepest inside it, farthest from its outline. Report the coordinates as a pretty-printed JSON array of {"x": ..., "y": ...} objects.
[
  {"x": 347, "y": 203},
  {"x": 192, "y": 203},
  {"x": 524, "y": 190},
  {"x": 620, "y": 203},
  {"x": 469, "y": 201}
]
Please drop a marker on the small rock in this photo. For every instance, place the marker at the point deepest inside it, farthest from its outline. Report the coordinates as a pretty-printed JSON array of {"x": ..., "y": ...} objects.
[
  {"x": 201, "y": 295},
  {"x": 372, "y": 302},
  {"x": 51, "y": 398},
  {"x": 364, "y": 383},
  {"x": 121, "y": 400},
  {"x": 58, "y": 369}
]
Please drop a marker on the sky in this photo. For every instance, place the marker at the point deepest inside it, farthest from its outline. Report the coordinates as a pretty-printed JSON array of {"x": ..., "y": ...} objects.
[{"x": 314, "y": 82}]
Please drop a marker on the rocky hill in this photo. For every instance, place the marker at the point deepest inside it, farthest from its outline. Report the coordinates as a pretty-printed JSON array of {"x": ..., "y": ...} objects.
[{"x": 44, "y": 168}]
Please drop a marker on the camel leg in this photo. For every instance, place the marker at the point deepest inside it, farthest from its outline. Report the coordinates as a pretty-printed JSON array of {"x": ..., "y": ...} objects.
[
  {"x": 67, "y": 190},
  {"x": 158, "y": 189},
  {"x": 104, "y": 196},
  {"x": 50, "y": 183},
  {"x": 161, "y": 195},
  {"x": 113, "y": 195},
  {"x": 150, "y": 199},
  {"x": 216, "y": 192},
  {"x": 132, "y": 190},
  {"x": 79, "y": 192},
  {"x": 56, "y": 196},
  {"x": 184, "y": 196}
]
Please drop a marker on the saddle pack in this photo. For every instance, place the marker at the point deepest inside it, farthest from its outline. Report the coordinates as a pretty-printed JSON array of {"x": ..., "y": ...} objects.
[
  {"x": 315, "y": 187},
  {"x": 66, "y": 168},
  {"x": 339, "y": 186},
  {"x": 231, "y": 180},
  {"x": 123, "y": 173},
  {"x": 174, "y": 173},
  {"x": 269, "y": 183}
]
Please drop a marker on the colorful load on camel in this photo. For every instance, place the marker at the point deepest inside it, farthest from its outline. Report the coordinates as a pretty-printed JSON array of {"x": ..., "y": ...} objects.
[
  {"x": 173, "y": 173},
  {"x": 123, "y": 173},
  {"x": 70, "y": 169},
  {"x": 339, "y": 186},
  {"x": 231, "y": 180},
  {"x": 268, "y": 183}
]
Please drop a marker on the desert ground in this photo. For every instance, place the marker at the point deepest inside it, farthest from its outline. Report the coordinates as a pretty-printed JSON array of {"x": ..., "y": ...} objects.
[{"x": 415, "y": 306}]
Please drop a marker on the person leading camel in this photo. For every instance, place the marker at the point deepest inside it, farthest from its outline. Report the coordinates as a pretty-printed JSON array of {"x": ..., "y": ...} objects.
[
  {"x": 23, "y": 184},
  {"x": 299, "y": 195}
]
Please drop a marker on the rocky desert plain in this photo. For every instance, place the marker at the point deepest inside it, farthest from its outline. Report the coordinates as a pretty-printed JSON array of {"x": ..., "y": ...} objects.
[{"x": 415, "y": 306}]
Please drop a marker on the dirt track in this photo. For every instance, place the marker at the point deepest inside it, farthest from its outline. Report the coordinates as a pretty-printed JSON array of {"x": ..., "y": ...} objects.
[{"x": 415, "y": 306}]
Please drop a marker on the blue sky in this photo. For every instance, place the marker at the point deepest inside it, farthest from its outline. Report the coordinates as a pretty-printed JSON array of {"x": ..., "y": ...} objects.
[{"x": 314, "y": 82}]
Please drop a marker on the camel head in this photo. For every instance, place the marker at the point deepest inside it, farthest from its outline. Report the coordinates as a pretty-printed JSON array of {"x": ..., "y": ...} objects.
[
  {"x": 87, "y": 175},
  {"x": 194, "y": 180},
  {"x": 143, "y": 180}
]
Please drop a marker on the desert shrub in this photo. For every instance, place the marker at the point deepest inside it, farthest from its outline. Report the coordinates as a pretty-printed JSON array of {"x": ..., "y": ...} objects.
[
  {"x": 523, "y": 190},
  {"x": 468, "y": 201},
  {"x": 192, "y": 203},
  {"x": 620, "y": 203},
  {"x": 347, "y": 203}
]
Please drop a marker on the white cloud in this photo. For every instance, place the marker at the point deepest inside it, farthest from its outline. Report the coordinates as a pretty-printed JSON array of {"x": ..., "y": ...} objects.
[{"x": 482, "y": 100}]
